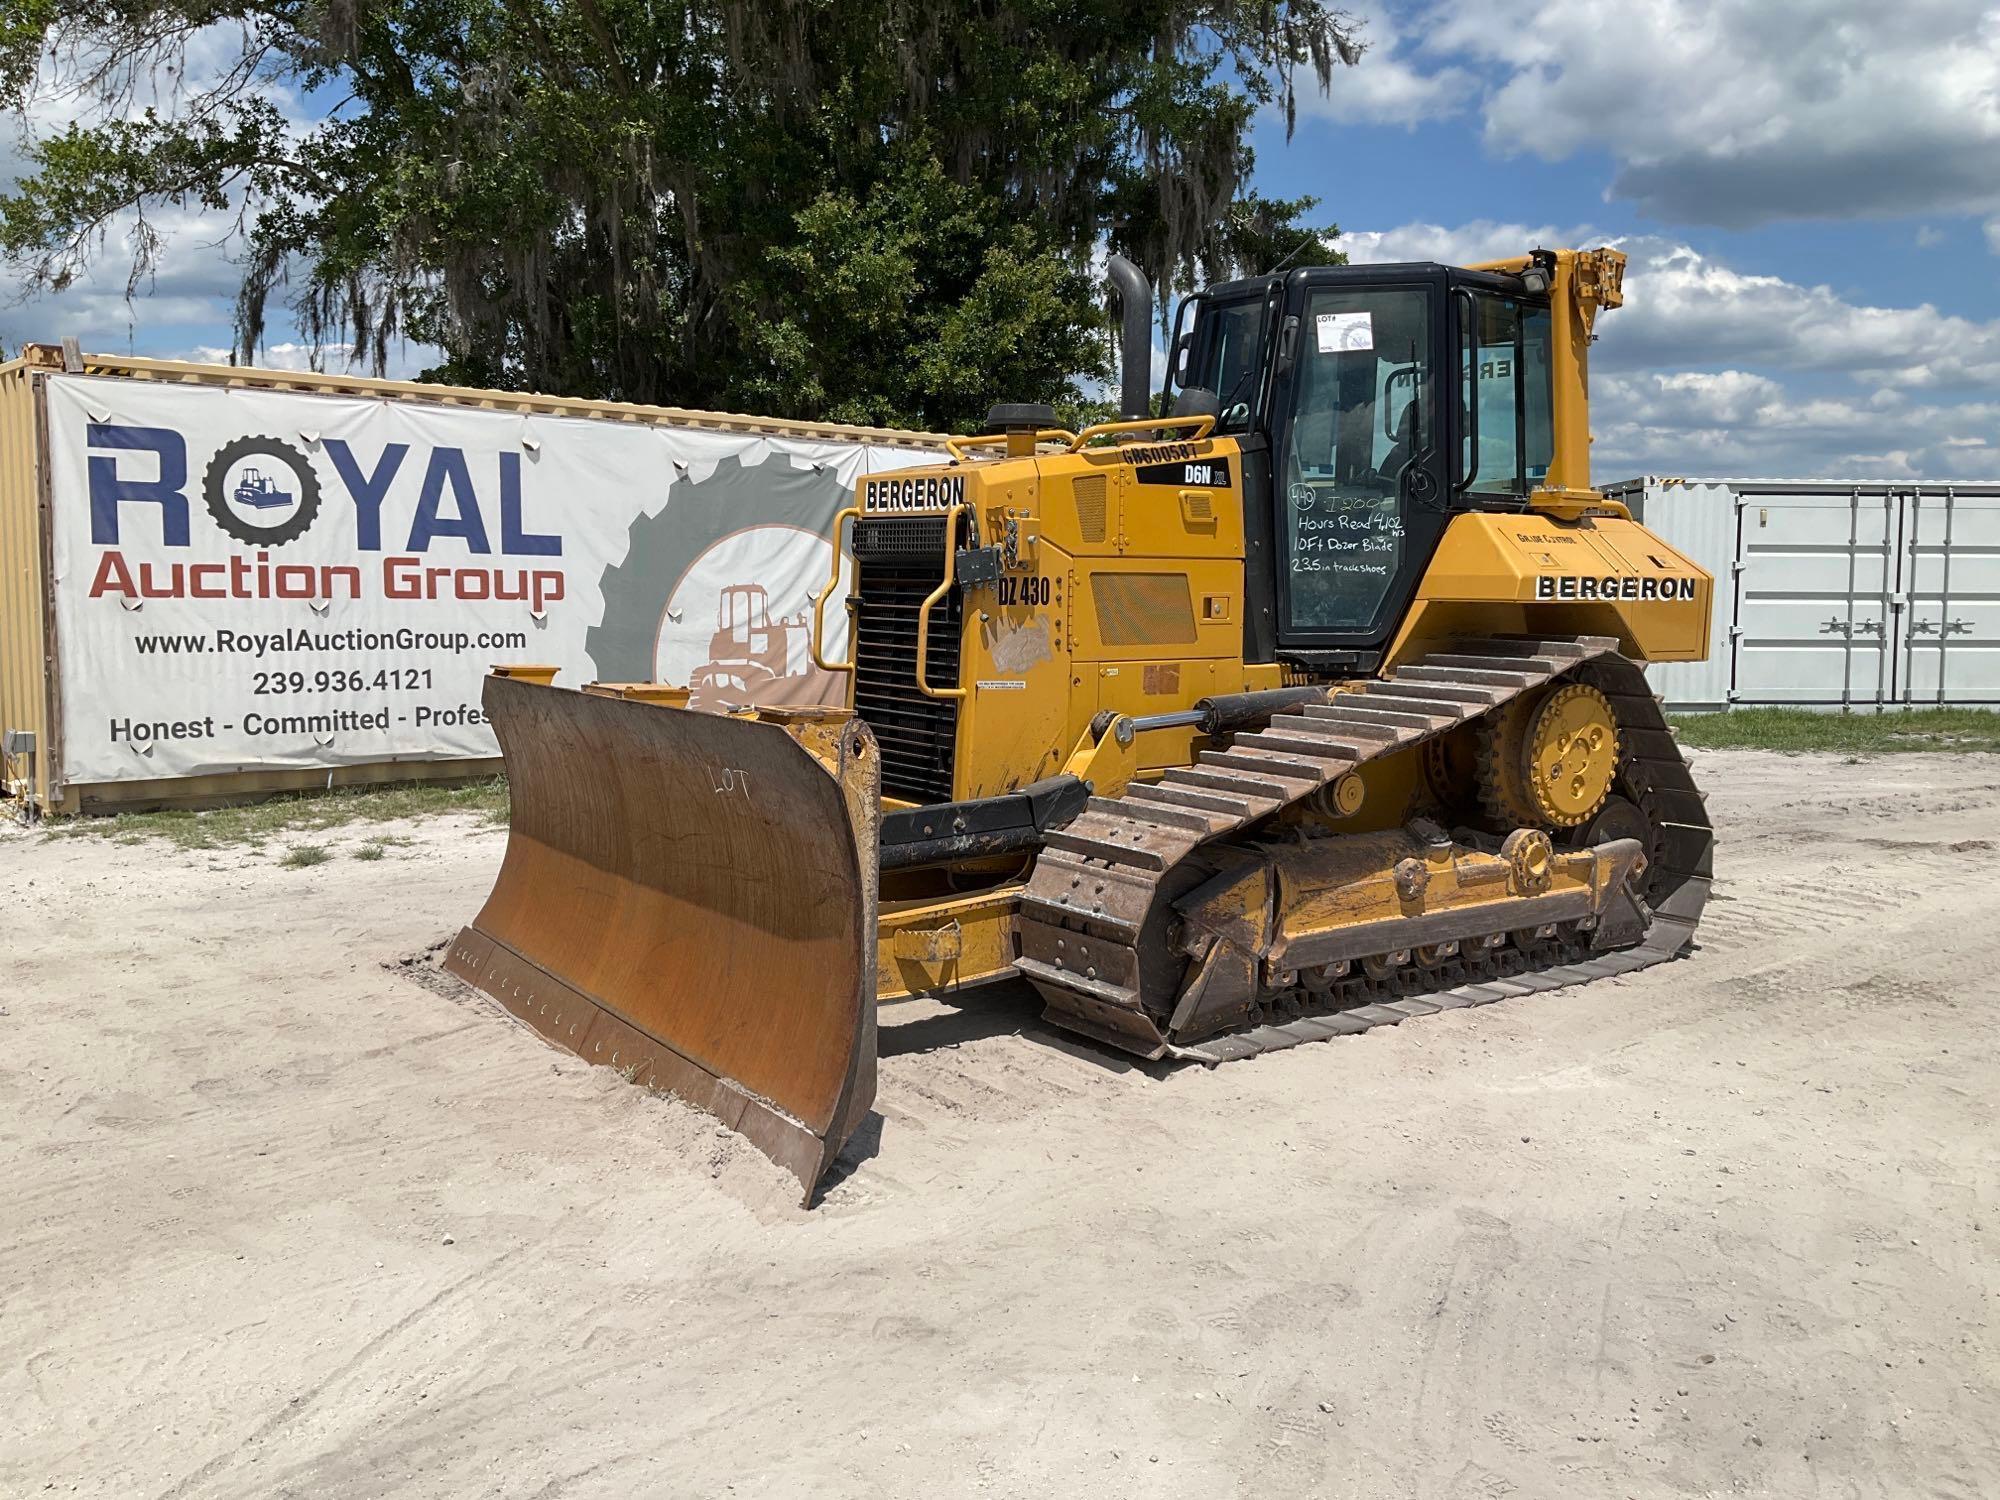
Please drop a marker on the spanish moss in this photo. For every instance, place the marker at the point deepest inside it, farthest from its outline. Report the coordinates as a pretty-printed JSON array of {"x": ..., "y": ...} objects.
[{"x": 881, "y": 210}]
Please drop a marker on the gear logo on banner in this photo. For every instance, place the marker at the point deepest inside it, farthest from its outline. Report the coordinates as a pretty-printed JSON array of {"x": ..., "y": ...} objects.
[
  {"x": 262, "y": 491},
  {"x": 716, "y": 588}
]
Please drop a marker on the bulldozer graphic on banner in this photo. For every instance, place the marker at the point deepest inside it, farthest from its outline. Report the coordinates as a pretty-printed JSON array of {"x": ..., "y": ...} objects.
[
  {"x": 257, "y": 490},
  {"x": 750, "y": 654},
  {"x": 743, "y": 545}
]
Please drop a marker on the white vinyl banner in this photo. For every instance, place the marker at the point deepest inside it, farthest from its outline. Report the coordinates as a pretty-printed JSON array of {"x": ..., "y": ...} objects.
[{"x": 248, "y": 579}]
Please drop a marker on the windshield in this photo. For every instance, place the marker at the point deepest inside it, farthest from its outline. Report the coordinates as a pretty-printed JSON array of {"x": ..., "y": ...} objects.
[
  {"x": 1227, "y": 357},
  {"x": 1361, "y": 426}
]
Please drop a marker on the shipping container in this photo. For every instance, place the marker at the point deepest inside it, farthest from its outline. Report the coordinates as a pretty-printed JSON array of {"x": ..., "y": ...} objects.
[
  {"x": 1835, "y": 594},
  {"x": 223, "y": 581}
]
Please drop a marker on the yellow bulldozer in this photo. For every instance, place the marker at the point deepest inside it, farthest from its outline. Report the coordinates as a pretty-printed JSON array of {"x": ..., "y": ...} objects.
[{"x": 1313, "y": 706}]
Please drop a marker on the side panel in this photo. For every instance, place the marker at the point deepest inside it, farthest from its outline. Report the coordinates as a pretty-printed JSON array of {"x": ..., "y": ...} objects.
[
  {"x": 1699, "y": 521},
  {"x": 1157, "y": 615},
  {"x": 1013, "y": 726},
  {"x": 1124, "y": 593},
  {"x": 1495, "y": 574},
  {"x": 24, "y": 684}
]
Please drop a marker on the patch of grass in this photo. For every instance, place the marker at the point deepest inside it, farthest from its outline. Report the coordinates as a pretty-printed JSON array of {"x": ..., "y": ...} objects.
[
  {"x": 370, "y": 851},
  {"x": 1854, "y": 734},
  {"x": 252, "y": 823},
  {"x": 305, "y": 856}
]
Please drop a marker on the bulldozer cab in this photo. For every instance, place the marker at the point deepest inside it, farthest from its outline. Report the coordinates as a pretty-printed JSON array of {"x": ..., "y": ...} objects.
[
  {"x": 1373, "y": 402},
  {"x": 741, "y": 610}
]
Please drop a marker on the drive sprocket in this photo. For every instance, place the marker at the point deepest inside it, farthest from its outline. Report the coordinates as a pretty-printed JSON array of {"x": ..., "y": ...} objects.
[{"x": 1550, "y": 761}]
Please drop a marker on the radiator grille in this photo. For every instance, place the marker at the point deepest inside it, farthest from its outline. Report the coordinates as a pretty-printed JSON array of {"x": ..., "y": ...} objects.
[
  {"x": 898, "y": 560},
  {"x": 1089, "y": 492}
]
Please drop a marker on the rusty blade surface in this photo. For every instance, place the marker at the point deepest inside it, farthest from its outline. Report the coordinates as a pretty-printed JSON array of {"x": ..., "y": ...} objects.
[{"x": 691, "y": 900}]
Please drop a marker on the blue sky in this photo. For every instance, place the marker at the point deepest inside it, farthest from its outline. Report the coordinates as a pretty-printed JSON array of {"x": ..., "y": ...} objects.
[{"x": 1809, "y": 191}]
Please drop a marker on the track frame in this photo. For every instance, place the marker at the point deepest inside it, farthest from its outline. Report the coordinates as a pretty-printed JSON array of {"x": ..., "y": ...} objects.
[{"x": 1094, "y": 900}]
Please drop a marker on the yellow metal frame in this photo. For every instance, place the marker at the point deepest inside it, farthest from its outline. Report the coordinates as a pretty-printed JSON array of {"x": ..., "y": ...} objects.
[
  {"x": 1203, "y": 424},
  {"x": 1585, "y": 283},
  {"x": 937, "y": 946},
  {"x": 1200, "y": 425},
  {"x": 945, "y": 586},
  {"x": 959, "y": 447},
  {"x": 850, "y": 513},
  {"x": 49, "y": 357},
  {"x": 27, "y": 663}
]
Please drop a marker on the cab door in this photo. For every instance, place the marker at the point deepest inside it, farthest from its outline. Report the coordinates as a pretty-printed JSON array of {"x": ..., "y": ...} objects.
[{"x": 1359, "y": 464}]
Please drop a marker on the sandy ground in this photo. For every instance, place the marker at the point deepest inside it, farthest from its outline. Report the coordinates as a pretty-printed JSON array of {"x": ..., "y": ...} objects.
[{"x": 278, "y": 1221}]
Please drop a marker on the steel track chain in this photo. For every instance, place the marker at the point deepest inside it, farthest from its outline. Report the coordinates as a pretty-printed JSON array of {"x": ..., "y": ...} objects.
[{"x": 1093, "y": 888}]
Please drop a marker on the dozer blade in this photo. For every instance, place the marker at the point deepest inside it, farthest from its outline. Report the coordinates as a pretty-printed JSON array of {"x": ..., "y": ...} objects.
[{"x": 690, "y": 899}]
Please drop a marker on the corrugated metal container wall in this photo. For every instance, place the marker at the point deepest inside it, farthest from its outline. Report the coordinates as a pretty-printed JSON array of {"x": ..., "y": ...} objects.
[
  {"x": 24, "y": 702},
  {"x": 1698, "y": 519},
  {"x": 1836, "y": 594}
]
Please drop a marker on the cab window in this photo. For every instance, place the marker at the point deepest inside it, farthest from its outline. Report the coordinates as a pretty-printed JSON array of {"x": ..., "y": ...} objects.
[
  {"x": 1361, "y": 427},
  {"x": 1228, "y": 358},
  {"x": 1508, "y": 435}
]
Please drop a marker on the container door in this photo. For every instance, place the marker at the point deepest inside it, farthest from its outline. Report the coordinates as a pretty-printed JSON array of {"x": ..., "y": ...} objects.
[
  {"x": 1951, "y": 580},
  {"x": 1697, "y": 518},
  {"x": 1816, "y": 596}
]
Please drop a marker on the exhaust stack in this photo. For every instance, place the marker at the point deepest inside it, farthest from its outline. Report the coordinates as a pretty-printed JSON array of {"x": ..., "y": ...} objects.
[{"x": 1135, "y": 339}]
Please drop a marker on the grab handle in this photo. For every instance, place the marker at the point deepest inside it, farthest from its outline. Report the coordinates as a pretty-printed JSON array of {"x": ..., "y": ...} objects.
[
  {"x": 819, "y": 600},
  {"x": 924, "y": 611},
  {"x": 958, "y": 447},
  {"x": 1199, "y": 425}
]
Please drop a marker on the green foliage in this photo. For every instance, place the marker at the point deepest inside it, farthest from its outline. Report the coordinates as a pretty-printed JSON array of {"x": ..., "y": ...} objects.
[
  {"x": 862, "y": 211},
  {"x": 249, "y": 824},
  {"x": 1799, "y": 729},
  {"x": 23, "y": 25}
]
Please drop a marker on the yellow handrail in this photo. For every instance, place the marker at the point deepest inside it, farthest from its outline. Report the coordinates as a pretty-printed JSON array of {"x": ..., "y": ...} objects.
[
  {"x": 956, "y": 446},
  {"x": 924, "y": 611},
  {"x": 819, "y": 599},
  {"x": 1203, "y": 423}
]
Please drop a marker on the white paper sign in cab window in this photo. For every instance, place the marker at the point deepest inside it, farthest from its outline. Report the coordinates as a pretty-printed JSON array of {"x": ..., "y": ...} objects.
[{"x": 1345, "y": 332}]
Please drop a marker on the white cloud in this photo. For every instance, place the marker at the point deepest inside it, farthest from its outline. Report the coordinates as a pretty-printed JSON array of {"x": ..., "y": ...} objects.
[
  {"x": 1929, "y": 238},
  {"x": 1708, "y": 369},
  {"x": 1725, "y": 112},
  {"x": 1463, "y": 244},
  {"x": 1685, "y": 308},
  {"x": 1732, "y": 422},
  {"x": 1738, "y": 112},
  {"x": 190, "y": 291},
  {"x": 1387, "y": 87},
  {"x": 192, "y": 287},
  {"x": 1993, "y": 235}
]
